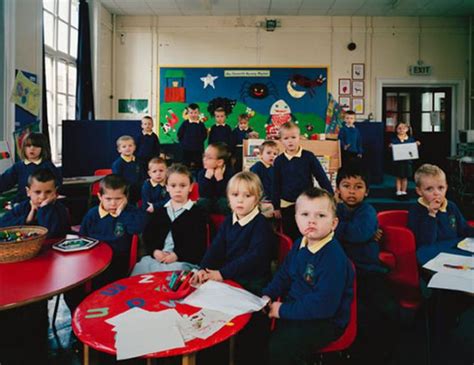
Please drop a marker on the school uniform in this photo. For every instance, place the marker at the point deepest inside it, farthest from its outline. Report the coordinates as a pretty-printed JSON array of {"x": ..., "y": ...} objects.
[
  {"x": 53, "y": 216},
  {"x": 191, "y": 136},
  {"x": 350, "y": 135},
  {"x": 293, "y": 175},
  {"x": 212, "y": 193},
  {"x": 266, "y": 175},
  {"x": 155, "y": 194},
  {"x": 317, "y": 285},
  {"x": 148, "y": 146},
  {"x": 237, "y": 140},
  {"x": 438, "y": 234},
  {"x": 129, "y": 168},
  {"x": 220, "y": 133},
  {"x": 21, "y": 171},
  {"x": 183, "y": 232},
  {"x": 402, "y": 169}
]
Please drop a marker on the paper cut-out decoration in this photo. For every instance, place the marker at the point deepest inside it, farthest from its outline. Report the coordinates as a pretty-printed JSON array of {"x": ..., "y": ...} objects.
[
  {"x": 146, "y": 279},
  {"x": 97, "y": 312},
  {"x": 224, "y": 103},
  {"x": 136, "y": 302},
  {"x": 113, "y": 290},
  {"x": 307, "y": 83},
  {"x": 258, "y": 90},
  {"x": 209, "y": 81},
  {"x": 293, "y": 92},
  {"x": 280, "y": 113},
  {"x": 26, "y": 94}
]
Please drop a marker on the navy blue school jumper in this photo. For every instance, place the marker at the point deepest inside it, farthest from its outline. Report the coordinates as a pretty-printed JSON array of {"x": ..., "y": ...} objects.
[
  {"x": 438, "y": 234},
  {"x": 19, "y": 173},
  {"x": 221, "y": 133},
  {"x": 131, "y": 171},
  {"x": 350, "y": 136},
  {"x": 266, "y": 175},
  {"x": 154, "y": 194},
  {"x": 53, "y": 216},
  {"x": 212, "y": 193},
  {"x": 148, "y": 146},
  {"x": 293, "y": 175},
  {"x": 317, "y": 286},
  {"x": 237, "y": 139},
  {"x": 402, "y": 169},
  {"x": 191, "y": 136}
]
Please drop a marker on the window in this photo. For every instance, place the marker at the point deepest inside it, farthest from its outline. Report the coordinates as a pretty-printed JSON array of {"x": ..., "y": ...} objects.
[
  {"x": 433, "y": 112},
  {"x": 61, "y": 18}
]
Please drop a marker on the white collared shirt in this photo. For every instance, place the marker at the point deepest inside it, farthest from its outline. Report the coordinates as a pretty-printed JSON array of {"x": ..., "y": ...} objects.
[{"x": 247, "y": 219}]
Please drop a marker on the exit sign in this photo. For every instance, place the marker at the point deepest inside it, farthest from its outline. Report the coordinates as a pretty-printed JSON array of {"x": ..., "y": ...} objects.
[{"x": 420, "y": 70}]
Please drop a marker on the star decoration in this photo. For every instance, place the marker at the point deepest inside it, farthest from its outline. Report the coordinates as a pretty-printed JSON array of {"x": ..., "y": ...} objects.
[{"x": 208, "y": 80}]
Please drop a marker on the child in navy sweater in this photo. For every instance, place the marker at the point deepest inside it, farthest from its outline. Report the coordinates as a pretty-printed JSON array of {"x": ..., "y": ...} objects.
[
  {"x": 128, "y": 167},
  {"x": 154, "y": 194},
  {"x": 293, "y": 173},
  {"x": 241, "y": 132},
  {"x": 148, "y": 144},
  {"x": 192, "y": 134},
  {"x": 176, "y": 233},
  {"x": 212, "y": 180},
  {"x": 377, "y": 310},
  {"x": 42, "y": 208},
  {"x": 437, "y": 223},
  {"x": 220, "y": 132},
  {"x": 316, "y": 282},
  {"x": 35, "y": 155},
  {"x": 351, "y": 140}
]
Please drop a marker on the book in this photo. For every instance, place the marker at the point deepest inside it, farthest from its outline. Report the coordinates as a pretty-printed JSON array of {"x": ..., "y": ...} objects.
[{"x": 75, "y": 244}]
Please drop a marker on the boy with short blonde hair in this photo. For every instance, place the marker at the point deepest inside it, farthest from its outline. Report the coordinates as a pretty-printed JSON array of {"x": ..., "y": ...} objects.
[
  {"x": 351, "y": 140},
  {"x": 154, "y": 194},
  {"x": 148, "y": 144}
]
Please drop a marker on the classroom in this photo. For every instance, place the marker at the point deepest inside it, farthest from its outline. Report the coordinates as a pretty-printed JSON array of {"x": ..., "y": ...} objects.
[{"x": 237, "y": 182}]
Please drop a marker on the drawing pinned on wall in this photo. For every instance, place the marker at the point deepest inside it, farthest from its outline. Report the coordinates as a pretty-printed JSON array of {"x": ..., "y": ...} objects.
[
  {"x": 358, "y": 105},
  {"x": 358, "y": 88},
  {"x": 358, "y": 71},
  {"x": 344, "y": 86},
  {"x": 345, "y": 103},
  {"x": 209, "y": 81},
  {"x": 26, "y": 94}
]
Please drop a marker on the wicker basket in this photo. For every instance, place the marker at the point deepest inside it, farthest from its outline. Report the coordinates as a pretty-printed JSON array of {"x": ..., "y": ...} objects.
[{"x": 24, "y": 249}]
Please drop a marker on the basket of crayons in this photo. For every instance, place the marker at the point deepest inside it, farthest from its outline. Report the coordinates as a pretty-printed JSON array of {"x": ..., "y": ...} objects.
[
  {"x": 179, "y": 285},
  {"x": 19, "y": 243}
]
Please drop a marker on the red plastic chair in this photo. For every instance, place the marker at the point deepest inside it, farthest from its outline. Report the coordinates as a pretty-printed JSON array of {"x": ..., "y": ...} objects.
[
  {"x": 398, "y": 218},
  {"x": 133, "y": 253},
  {"x": 284, "y": 246},
  {"x": 194, "y": 194},
  {"x": 95, "y": 187},
  {"x": 217, "y": 220}
]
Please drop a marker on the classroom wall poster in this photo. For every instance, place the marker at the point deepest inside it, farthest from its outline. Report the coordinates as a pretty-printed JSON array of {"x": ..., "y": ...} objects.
[{"x": 26, "y": 94}]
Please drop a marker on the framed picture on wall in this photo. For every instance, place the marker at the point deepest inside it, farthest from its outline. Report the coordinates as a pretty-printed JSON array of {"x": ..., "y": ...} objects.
[
  {"x": 358, "y": 71},
  {"x": 358, "y": 105},
  {"x": 345, "y": 102},
  {"x": 357, "y": 88},
  {"x": 344, "y": 86}
]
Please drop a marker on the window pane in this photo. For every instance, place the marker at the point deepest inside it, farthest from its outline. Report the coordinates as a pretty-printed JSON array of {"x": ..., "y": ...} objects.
[
  {"x": 406, "y": 117},
  {"x": 50, "y": 105},
  {"x": 59, "y": 136},
  {"x": 48, "y": 64},
  {"x": 426, "y": 122},
  {"x": 61, "y": 77},
  {"x": 73, "y": 43},
  {"x": 48, "y": 29},
  {"x": 391, "y": 103},
  {"x": 62, "y": 37},
  {"x": 49, "y": 4},
  {"x": 439, "y": 101},
  {"x": 427, "y": 102},
  {"x": 63, "y": 9},
  {"x": 71, "y": 87},
  {"x": 62, "y": 108},
  {"x": 405, "y": 101},
  {"x": 71, "y": 108},
  {"x": 75, "y": 13}
]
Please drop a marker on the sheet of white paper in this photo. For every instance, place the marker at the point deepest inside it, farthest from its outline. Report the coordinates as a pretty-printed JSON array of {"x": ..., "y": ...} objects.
[
  {"x": 451, "y": 282},
  {"x": 129, "y": 316},
  {"x": 405, "y": 151},
  {"x": 467, "y": 244},
  {"x": 224, "y": 298},
  {"x": 439, "y": 263},
  {"x": 204, "y": 323}
]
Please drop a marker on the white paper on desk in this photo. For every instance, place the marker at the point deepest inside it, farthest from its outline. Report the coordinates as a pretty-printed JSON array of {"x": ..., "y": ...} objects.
[
  {"x": 129, "y": 316},
  {"x": 437, "y": 264},
  {"x": 451, "y": 282},
  {"x": 203, "y": 324},
  {"x": 224, "y": 298},
  {"x": 467, "y": 244}
]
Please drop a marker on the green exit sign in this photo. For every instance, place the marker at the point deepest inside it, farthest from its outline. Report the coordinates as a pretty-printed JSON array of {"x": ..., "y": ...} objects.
[{"x": 420, "y": 70}]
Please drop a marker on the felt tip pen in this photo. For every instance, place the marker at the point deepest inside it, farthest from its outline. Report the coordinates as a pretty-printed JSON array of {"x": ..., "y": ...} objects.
[
  {"x": 459, "y": 267},
  {"x": 177, "y": 281},
  {"x": 173, "y": 279}
]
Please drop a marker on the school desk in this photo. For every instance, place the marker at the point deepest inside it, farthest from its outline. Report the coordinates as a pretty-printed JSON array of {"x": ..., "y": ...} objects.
[
  {"x": 147, "y": 292},
  {"x": 49, "y": 273}
]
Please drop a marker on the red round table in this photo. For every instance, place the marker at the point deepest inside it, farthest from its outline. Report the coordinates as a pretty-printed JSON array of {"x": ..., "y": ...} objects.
[
  {"x": 51, "y": 272},
  {"x": 145, "y": 291}
]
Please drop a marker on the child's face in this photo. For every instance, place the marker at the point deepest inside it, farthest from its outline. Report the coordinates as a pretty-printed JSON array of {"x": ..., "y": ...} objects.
[
  {"x": 349, "y": 119},
  {"x": 157, "y": 172},
  {"x": 352, "y": 190},
  {"x": 241, "y": 201},
  {"x": 432, "y": 188},
  {"x": 147, "y": 125},
  {"x": 193, "y": 114},
  {"x": 126, "y": 148},
  {"x": 402, "y": 129},
  {"x": 290, "y": 139},
  {"x": 314, "y": 218},
  {"x": 243, "y": 124},
  {"x": 179, "y": 187},
  {"x": 220, "y": 117},
  {"x": 210, "y": 159},
  {"x": 38, "y": 192},
  {"x": 32, "y": 153},
  {"x": 111, "y": 199},
  {"x": 269, "y": 154}
]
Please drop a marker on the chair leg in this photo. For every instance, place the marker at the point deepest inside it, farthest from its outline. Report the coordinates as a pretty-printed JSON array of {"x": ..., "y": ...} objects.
[{"x": 55, "y": 312}]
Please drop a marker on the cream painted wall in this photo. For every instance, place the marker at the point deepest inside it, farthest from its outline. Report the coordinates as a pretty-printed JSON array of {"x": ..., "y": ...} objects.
[
  {"x": 103, "y": 103},
  {"x": 387, "y": 46}
]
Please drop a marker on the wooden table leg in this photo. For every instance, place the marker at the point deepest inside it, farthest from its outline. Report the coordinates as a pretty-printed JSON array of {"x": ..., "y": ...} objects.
[
  {"x": 231, "y": 350},
  {"x": 148, "y": 361},
  {"x": 189, "y": 359},
  {"x": 86, "y": 355}
]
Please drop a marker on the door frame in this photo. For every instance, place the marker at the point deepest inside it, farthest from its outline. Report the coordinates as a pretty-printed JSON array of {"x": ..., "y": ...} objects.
[{"x": 458, "y": 97}]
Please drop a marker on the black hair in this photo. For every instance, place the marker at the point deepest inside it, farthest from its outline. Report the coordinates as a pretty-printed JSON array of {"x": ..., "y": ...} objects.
[
  {"x": 41, "y": 175},
  {"x": 347, "y": 172},
  {"x": 221, "y": 104},
  {"x": 193, "y": 106},
  {"x": 350, "y": 112},
  {"x": 113, "y": 182},
  {"x": 37, "y": 140},
  {"x": 223, "y": 151}
]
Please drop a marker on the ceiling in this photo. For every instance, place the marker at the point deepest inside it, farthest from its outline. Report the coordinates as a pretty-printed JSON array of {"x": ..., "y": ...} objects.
[{"x": 291, "y": 7}]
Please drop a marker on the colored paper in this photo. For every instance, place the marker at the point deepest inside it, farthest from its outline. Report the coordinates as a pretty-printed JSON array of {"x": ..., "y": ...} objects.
[
  {"x": 467, "y": 244},
  {"x": 26, "y": 94}
]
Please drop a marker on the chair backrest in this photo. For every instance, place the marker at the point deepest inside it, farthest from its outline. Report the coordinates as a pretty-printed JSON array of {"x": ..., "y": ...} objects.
[
  {"x": 217, "y": 220},
  {"x": 133, "y": 253},
  {"x": 398, "y": 218},
  {"x": 284, "y": 246},
  {"x": 194, "y": 194},
  {"x": 102, "y": 172},
  {"x": 95, "y": 187}
]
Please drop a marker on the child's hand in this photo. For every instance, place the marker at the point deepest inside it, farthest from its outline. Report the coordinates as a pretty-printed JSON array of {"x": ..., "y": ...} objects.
[
  {"x": 418, "y": 143},
  {"x": 266, "y": 309},
  {"x": 31, "y": 215},
  {"x": 337, "y": 197},
  {"x": 219, "y": 173},
  {"x": 390, "y": 145},
  {"x": 209, "y": 173},
  {"x": 277, "y": 213},
  {"x": 50, "y": 200},
  {"x": 159, "y": 255},
  {"x": 199, "y": 278},
  {"x": 434, "y": 206},
  {"x": 214, "y": 275},
  {"x": 150, "y": 208},
  {"x": 274, "y": 310},
  {"x": 169, "y": 258},
  {"x": 378, "y": 236},
  {"x": 121, "y": 207}
]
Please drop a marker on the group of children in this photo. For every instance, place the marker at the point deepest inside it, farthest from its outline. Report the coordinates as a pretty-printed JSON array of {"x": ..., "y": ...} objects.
[{"x": 311, "y": 292}]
